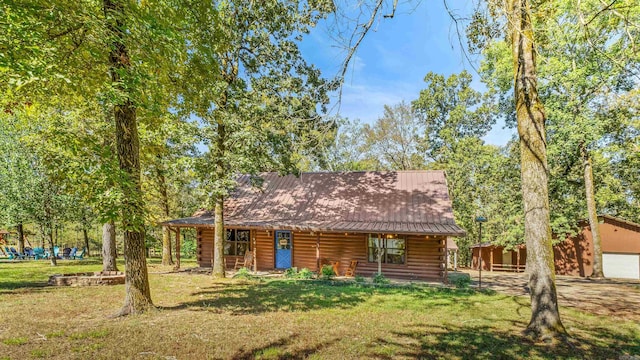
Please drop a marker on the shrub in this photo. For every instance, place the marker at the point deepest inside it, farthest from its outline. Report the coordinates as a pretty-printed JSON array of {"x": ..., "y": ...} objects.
[
  {"x": 378, "y": 278},
  {"x": 291, "y": 273},
  {"x": 327, "y": 272},
  {"x": 305, "y": 274},
  {"x": 359, "y": 279},
  {"x": 243, "y": 273},
  {"x": 461, "y": 281}
]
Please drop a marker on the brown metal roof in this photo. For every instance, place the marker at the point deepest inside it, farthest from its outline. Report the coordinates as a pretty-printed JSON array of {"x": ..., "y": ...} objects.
[
  {"x": 411, "y": 202},
  {"x": 451, "y": 244}
]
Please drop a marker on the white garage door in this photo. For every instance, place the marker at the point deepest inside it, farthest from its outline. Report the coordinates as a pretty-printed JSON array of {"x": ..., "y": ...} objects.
[{"x": 625, "y": 266}]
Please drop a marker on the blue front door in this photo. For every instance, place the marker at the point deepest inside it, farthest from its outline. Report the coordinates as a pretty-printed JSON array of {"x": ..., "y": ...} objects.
[{"x": 283, "y": 249}]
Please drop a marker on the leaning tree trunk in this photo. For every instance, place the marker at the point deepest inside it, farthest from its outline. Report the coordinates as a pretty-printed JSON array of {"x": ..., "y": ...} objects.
[
  {"x": 593, "y": 214},
  {"x": 138, "y": 296},
  {"x": 545, "y": 320},
  {"x": 109, "y": 250},
  {"x": 20, "y": 230}
]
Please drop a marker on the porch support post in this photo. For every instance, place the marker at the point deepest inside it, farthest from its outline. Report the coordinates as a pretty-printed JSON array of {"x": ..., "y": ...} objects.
[
  {"x": 446, "y": 261},
  {"x": 379, "y": 254},
  {"x": 517, "y": 259},
  {"x": 318, "y": 252},
  {"x": 455, "y": 260},
  {"x": 491, "y": 259},
  {"x": 177, "y": 249},
  {"x": 255, "y": 250}
]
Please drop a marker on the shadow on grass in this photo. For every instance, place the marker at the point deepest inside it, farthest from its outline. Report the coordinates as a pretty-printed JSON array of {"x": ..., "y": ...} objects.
[
  {"x": 271, "y": 296},
  {"x": 277, "y": 350},
  {"x": 8, "y": 286},
  {"x": 484, "y": 342}
]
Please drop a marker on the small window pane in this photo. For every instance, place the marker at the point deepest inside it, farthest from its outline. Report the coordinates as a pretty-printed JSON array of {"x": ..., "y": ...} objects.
[
  {"x": 392, "y": 250},
  {"x": 372, "y": 255},
  {"x": 283, "y": 240},
  {"x": 395, "y": 256},
  {"x": 230, "y": 235},
  {"x": 242, "y": 235},
  {"x": 229, "y": 247},
  {"x": 395, "y": 244},
  {"x": 242, "y": 248},
  {"x": 373, "y": 241}
]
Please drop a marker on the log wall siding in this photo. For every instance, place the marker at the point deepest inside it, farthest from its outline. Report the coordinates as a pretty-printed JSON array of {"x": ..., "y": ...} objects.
[
  {"x": 265, "y": 249},
  {"x": 424, "y": 259},
  {"x": 205, "y": 250},
  {"x": 204, "y": 247}
]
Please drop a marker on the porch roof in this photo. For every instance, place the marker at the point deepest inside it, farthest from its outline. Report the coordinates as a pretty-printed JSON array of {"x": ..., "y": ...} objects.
[{"x": 409, "y": 202}]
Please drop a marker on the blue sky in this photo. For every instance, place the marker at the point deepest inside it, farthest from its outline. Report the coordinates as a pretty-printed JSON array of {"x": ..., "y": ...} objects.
[{"x": 394, "y": 58}]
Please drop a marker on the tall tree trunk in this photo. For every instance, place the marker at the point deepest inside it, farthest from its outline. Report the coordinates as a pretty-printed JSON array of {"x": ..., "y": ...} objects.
[
  {"x": 109, "y": 250},
  {"x": 20, "y": 230},
  {"x": 52, "y": 258},
  {"x": 545, "y": 320},
  {"x": 167, "y": 258},
  {"x": 593, "y": 214},
  {"x": 218, "y": 270},
  {"x": 138, "y": 295},
  {"x": 86, "y": 239}
]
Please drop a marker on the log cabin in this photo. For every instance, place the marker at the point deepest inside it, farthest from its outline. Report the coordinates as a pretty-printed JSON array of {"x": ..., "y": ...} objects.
[{"x": 315, "y": 218}]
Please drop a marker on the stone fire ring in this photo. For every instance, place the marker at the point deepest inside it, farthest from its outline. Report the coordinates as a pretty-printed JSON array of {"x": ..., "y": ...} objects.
[{"x": 88, "y": 279}]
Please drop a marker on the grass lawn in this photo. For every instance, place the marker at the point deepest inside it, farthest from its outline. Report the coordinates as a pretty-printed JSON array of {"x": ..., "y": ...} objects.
[{"x": 198, "y": 318}]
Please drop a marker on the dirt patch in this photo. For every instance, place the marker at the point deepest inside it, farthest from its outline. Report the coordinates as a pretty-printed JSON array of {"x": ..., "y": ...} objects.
[{"x": 610, "y": 297}]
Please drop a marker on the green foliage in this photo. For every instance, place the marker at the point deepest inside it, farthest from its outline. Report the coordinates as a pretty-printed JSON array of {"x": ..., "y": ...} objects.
[
  {"x": 256, "y": 96},
  {"x": 306, "y": 274},
  {"x": 379, "y": 278},
  {"x": 188, "y": 247},
  {"x": 586, "y": 73},
  {"x": 346, "y": 150},
  {"x": 392, "y": 142},
  {"x": 291, "y": 273},
  {"x": 327, "y": 272},
  {"x": 243, "y": 273},
  {"x": 452, "y": 110},
  {"x": 32, "y": 190},
  {"x": 359, "y": 279},
  {"x": 460, "y": 280}
]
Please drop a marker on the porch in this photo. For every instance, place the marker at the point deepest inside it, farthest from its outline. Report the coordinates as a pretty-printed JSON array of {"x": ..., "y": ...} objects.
[{"x": 404, "y": 256}]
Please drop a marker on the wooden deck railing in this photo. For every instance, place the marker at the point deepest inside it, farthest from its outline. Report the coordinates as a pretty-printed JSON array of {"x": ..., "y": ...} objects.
[{"x": 507, "y": 267}]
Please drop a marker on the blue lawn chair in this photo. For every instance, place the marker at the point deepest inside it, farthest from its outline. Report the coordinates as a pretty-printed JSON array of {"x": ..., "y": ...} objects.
[
  {"x": 56, "y": 252},
  {"x": 16, "y": 254},
  {"x": 29, "y": 253},
  {"x": 39, "y": 253},
  {"x": 80, "y": 255},
  {"x": 9, "y": 253},
  {"x": 65, "y": 253},
  {"x": 72, "y": 253}
]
